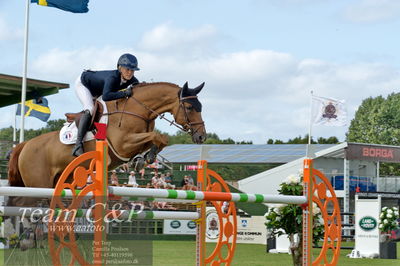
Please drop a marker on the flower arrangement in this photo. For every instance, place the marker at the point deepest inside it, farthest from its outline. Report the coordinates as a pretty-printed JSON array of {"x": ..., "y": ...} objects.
[
  {"x": 388, "y": 220},
  {"x": 288, "y": 218},
  {"x": 13, "y": 240}
]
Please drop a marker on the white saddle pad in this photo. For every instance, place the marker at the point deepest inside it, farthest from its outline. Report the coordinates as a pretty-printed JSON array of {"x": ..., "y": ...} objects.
[{"x": 69, "y": 132}]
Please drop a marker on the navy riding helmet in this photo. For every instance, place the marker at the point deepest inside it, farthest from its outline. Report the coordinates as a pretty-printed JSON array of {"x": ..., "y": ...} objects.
[{"x": 129, "y": 61}]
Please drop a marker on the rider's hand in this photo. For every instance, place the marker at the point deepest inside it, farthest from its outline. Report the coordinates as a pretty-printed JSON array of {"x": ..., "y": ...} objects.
[{"x": 128, "y": 92}]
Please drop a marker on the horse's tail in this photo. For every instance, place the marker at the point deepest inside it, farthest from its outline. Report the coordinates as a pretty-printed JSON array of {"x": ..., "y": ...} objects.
[{"x": 14, "y": 176}]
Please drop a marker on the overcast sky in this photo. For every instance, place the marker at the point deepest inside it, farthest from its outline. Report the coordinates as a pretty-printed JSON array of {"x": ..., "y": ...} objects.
[{"x": 259, "y": 58}]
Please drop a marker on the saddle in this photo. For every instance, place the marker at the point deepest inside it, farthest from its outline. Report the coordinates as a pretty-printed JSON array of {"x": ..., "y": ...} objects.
[{"x": 97, "y": 111}]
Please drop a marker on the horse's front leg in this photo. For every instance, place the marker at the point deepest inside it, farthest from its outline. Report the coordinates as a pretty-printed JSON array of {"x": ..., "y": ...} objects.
[{"x": 152, "y": 142}]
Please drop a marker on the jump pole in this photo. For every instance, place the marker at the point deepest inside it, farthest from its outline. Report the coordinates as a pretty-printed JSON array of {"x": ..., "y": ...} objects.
[{"x": 168, "y": 195}]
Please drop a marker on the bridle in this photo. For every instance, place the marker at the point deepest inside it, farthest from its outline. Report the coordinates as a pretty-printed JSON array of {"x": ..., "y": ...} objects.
[{"x": 187, "y": 127}]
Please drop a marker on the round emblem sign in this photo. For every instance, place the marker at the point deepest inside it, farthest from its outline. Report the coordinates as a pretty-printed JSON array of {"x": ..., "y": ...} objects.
[
  {"x": 191, "y": 225},
  {"x": 212, "y": 224},
  {"x": 368, "y": 223},
  {"x": 175, "y": 224}
]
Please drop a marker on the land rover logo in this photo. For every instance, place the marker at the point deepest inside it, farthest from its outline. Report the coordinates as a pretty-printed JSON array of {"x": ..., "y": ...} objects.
[
  {"x": 368, "y": 223},
  {"x": 175, "y": 224},
  {"x": 191, "y": 224}
]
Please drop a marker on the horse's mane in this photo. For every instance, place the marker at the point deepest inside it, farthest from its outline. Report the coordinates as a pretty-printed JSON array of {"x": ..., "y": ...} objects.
[{"x": 144, "y": 84}]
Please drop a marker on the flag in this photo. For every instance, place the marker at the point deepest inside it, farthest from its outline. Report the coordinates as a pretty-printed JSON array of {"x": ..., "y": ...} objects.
[
  {"x": 74, "y": 6},
  {"x": 38, "y": 108},
  {"x": 328, "y": 111}
]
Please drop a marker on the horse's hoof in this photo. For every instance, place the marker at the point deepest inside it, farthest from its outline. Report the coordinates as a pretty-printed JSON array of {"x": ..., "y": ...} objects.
[{"x": 138, "y": 163}]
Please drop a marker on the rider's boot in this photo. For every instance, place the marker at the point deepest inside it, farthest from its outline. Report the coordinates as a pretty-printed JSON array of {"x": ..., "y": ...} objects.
[{"x": 83, "y": 127}]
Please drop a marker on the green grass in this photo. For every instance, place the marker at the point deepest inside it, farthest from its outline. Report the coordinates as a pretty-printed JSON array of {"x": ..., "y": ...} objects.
[
  {"x": 248, "y": 254},
  {"x": 183, "y": 253}
]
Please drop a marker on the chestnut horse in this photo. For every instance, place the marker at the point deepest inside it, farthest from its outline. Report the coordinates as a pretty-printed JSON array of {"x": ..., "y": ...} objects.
[{"x": 130, "y": 131}]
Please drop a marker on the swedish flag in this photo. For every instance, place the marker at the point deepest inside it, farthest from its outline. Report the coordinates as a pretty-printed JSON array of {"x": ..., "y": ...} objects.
[
  {"x": 75, "y": 6},
  {"x": 38, "y": 108}
]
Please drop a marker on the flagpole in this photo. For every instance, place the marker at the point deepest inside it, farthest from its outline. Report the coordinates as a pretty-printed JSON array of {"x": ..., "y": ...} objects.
[
  {"x": 15, "y": 126},
  {"x": 24, "y": 74},
  {"x": 308, "y": 154}
]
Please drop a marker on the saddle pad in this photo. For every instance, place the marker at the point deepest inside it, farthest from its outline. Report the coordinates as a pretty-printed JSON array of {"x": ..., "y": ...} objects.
[{"x": 69, "y": 132}]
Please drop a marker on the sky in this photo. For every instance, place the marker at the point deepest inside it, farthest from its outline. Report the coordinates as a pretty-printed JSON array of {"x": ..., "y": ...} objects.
[{"x": 259, "y": 59}]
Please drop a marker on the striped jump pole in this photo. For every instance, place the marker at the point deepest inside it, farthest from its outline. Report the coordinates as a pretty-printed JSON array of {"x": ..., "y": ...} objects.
[
  {"x": 150, "y": 194},
  {"x": 206, "y": 196}
]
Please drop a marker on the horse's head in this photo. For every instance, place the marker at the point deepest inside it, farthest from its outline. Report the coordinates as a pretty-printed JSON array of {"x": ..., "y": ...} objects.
[{"x": 189, "y": 113}]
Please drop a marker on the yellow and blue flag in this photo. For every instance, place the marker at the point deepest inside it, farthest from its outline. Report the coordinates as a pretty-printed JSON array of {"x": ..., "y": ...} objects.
[
  {"x": 38, "y": 108},
  {"x": 75, "y": 6}
]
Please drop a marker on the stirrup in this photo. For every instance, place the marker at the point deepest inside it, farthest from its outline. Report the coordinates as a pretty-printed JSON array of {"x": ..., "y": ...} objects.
[{"x": 78, "y": 149}]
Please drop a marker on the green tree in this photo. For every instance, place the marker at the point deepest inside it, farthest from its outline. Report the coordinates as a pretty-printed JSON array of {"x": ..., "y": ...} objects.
[
  {"x": 52, "y": 125},
  {"x": 330, "y": 140},
  {"x": 6, "y": 133},
  {"x": 304, "y": 140},
  {"x": 367, "y": 127},
  {"x": 377, "y": 121}
]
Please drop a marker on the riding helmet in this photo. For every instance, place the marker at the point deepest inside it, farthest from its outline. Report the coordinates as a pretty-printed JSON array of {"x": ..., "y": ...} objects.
[{"x": 129, "y": 61}]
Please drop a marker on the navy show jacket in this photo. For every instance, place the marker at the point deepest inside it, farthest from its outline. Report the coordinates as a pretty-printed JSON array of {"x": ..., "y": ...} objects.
[{"x": 107, "y": 83}]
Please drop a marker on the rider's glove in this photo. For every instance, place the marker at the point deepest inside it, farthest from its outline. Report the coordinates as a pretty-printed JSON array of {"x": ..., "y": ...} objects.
[{"x": 128, "y": 92}]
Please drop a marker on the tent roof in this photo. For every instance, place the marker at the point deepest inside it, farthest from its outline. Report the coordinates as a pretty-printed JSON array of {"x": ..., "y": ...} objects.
[{"x": 11, "y": 86}]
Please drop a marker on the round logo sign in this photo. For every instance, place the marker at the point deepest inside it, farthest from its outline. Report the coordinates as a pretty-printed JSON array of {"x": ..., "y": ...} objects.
[
  {"x": 175, "y": 224},
  {"x": 191, "y": 225},
  {"x": 368, "y": 223},
  {"x": 212, "y": 224}
]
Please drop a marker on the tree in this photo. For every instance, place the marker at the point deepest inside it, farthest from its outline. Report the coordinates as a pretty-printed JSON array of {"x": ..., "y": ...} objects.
[
  {"x": 330, "y": 140},
  {"x": 304, "y": 140},
  {"x": 377, "y": 121}
]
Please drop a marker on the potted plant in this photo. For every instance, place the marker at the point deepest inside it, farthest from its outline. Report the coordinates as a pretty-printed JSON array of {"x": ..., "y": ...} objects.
[
  {"x": 388, "y": 222},
  {"x": 288, "y": 218}
]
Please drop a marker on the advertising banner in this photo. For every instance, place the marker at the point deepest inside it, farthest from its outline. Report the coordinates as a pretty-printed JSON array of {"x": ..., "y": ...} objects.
[
  {"x": 366, "y": 224},
  {"x": 250, "y": 230},
  {"x": 179, "y": 227}
]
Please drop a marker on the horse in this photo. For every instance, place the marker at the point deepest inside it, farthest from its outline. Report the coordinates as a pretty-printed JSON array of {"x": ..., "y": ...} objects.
[{"x": 130, "y": 131}]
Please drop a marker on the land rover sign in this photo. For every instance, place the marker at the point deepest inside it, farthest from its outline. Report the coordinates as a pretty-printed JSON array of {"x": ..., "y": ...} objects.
[
  {"x": 367, "y": 223},
  {"x": 366, "y": 226}
]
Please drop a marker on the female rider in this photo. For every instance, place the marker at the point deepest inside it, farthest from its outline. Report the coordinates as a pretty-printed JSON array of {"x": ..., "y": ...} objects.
[{"x": 111, "y": 84}]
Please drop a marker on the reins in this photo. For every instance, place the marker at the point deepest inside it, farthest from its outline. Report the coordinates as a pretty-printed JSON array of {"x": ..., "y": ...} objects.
[{"x": 187, "y": 127}]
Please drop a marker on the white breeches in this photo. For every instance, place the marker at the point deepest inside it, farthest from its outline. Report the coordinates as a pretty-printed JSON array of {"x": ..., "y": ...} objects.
[{"x": 84, "y": 95}]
